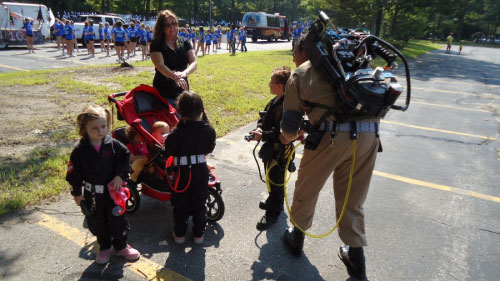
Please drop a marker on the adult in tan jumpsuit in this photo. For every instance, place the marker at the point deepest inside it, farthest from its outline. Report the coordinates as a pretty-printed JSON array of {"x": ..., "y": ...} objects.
[{"x": 305, "y": 85}]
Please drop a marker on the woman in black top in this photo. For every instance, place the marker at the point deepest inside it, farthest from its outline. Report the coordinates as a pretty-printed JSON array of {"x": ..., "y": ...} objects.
[{"x": 173, "y": 57}]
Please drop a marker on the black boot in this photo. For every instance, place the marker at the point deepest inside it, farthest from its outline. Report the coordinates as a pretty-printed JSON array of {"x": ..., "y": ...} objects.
[
  {"x": 267, "y": 221},
  {"x": 294, "y": 239},
  {"x": 354, "y": 260},
  {"x": 263, "y": 204}
]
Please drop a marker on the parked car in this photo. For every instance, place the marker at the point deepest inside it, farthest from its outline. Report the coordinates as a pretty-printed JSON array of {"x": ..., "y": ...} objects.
[{"x": 79, "y": 24}]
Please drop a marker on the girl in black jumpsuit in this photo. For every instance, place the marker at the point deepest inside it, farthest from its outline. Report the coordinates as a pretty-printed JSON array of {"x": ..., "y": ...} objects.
[
  {"x": 188, "y": 143},
  {"x": 96, "y": 162}
]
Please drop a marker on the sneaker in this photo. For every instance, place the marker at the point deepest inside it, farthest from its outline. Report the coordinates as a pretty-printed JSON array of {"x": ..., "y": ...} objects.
[
  {"x": 129, "y": 253},
  {"x": 178, "y": 240},
  {"x": 103, "y": 257},
  {"x": 198, "y": 240},
  {"x": 72, "y": 55}
]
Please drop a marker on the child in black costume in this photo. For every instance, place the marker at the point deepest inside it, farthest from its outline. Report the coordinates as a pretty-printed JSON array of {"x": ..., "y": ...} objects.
[
  {"x": 189, "y": 143},
  {"x": 99, "y": 161},
  {"x": 273, "y": 152}
]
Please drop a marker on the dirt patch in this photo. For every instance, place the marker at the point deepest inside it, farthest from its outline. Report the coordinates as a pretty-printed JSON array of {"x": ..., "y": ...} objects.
[
  {"x": 104, "y": 75},
  {"x": 33, "y": 116}
]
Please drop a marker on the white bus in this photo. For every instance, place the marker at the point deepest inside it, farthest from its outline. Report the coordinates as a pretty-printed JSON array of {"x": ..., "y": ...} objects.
[{"x": 12, "y": 17}]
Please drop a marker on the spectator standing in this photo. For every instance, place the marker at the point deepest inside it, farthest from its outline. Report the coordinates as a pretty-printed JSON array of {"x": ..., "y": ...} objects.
[
  {"x": 28, "y": 26},
  {"x": 173, "y": 57},
  {"x": 243, "y": 39}
]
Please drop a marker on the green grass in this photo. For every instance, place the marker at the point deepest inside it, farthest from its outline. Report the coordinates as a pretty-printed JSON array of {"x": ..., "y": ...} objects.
[
  {"x": 234, "y": 89},
  {"x": 30, "y": 78},
  {"x": 416, "y": 48},
  {"x": 39, "y": 177}
]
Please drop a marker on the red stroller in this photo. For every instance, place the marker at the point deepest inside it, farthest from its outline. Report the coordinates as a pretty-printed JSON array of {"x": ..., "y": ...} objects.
[{"x": 140, "y": 108}]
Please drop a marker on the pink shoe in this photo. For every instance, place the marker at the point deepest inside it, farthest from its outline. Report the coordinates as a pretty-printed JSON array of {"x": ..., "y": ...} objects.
[
  {"x": 129, "y": 253},
  {"x": 178, "y": 240},
  {"x": 103, "y": 257}
]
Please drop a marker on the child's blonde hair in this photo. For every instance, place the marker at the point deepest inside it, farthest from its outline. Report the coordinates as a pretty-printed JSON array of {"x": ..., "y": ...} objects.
[
  {"x": 281, "y": 74},
  {"x": 160, "y": 124},
  {"x": 91, "y": 113}
]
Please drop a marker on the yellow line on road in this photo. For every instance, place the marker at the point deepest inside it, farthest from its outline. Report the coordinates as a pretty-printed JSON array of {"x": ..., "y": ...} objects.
[
  {"x": 439, "y": 130},
  {"x": 432, "y": 185},
  {"x": 143, "y": 267},
  {"x": 449, "y": 106},
  {"x": 12, "y": 67},
  {"x": 439, "y": 186},
  {"x": 455, "y": 92}
]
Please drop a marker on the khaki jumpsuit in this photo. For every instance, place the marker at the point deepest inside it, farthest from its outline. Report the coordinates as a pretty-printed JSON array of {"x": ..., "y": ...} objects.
[{"x": 308, "y": 84}]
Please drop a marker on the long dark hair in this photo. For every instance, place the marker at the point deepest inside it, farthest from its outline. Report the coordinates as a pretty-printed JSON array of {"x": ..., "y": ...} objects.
[
  {"x": 159, "y": 28},
  {"x": 190, "y": 105}
]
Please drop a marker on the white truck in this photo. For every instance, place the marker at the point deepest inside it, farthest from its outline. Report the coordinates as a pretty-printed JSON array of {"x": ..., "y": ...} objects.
[
  {"x": 79, "y": 25},
  {"x": 12, "y": 17}
]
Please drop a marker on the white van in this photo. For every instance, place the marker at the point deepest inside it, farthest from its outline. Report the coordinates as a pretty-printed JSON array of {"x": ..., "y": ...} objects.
[
  {"x": 12, "y": 17},
  {"x": 79, "y": 24}
]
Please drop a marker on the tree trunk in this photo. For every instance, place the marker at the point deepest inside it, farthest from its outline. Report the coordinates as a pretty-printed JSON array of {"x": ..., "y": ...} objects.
[
  {"x": 103, "y": 6},
  {"x": 378, "y": 16},
  {"x": 195, "y": 9},
  {"x": 148, "y": 9},
  {"x": 394, "y": 21}
]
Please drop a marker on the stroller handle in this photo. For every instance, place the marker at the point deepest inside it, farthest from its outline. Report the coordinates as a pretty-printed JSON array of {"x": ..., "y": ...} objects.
[{"x": 112, "y": 97}]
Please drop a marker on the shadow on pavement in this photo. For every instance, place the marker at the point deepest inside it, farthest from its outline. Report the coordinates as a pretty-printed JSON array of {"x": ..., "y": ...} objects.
[
  {"x": 151, "y": 233},
  {"x": 276, "y": 263},
  {"x": 459, "y": 67},
  {"x": 7, "y": 268}
]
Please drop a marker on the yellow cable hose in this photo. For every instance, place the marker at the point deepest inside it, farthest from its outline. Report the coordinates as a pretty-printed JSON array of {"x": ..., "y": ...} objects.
[{"x": 268, "y": 181}]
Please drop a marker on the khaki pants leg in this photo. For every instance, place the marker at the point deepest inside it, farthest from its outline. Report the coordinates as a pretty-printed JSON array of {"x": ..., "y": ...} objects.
[
  {"x": 315, "y": 168},
  {"x": 352, "y": 226}
]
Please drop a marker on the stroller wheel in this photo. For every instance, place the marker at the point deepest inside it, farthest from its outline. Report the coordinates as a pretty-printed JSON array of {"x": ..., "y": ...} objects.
[
  {"x": 134, "y": 202},
  {"x": 215, "y": 205}
]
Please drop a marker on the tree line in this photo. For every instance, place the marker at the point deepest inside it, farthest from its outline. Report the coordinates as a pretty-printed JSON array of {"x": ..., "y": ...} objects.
[{"x": 392, "y": 19}]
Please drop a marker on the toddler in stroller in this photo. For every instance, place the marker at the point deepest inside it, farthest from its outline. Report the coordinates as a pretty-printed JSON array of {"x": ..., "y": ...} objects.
[{"x": 140, "y": 108}]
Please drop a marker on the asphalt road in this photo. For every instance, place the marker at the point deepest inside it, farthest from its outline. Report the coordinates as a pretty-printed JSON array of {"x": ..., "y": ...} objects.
[
  {"x": 46, "y": 56},
  {"x": 431, "y": 214}
]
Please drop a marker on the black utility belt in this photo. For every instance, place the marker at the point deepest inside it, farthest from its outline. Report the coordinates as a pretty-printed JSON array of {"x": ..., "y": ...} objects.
[
  {"x": 189, "y": 160},
  {"x": 95, "y": 188}
]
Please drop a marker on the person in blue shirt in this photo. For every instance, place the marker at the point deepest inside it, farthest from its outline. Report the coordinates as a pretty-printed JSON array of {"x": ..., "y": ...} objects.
[
  {"x": 149, "y": 34},
  {"x": 215, "y": 40},
  {"x": 28, "y": 25},
  {"x": 119, "y": 38},
  {"x": 143, "y": 40},
  {"x": 127, "y": 42},
  {"x": 201, "y": 42},
  {"x": 132, "y": 32},
  {"x": 58, "y": 28},
  {"x": 107, "y": 37},
  {"x": 101, "y": 36},
  {"x": 243, "y": 39},
  {"x": 91, "y": 38},
  {"x": 85, "y": 34},
  {"x": 208, "y": 42},
  {"x": 219, "y": 36},
  {"x": 228, "y": 39},
  {"x": 233, "y": 39},
  {"x": 191, "y": 34},
  {"x": 69, "y": 36}
]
